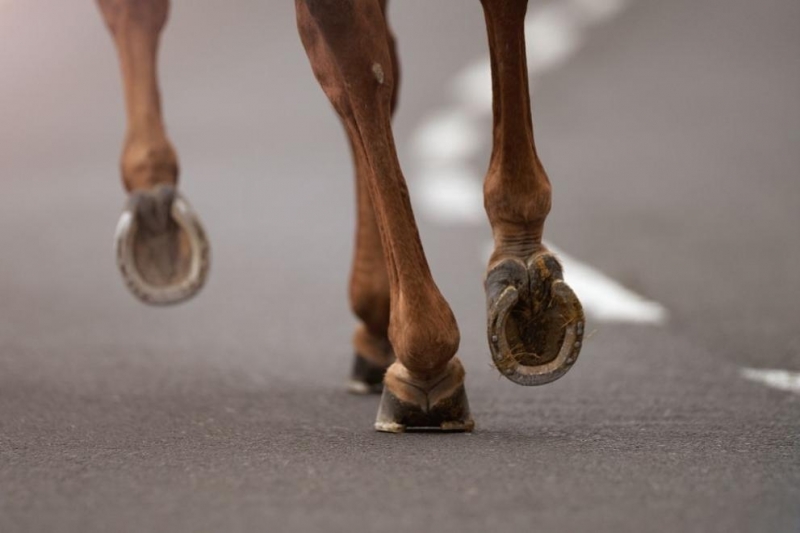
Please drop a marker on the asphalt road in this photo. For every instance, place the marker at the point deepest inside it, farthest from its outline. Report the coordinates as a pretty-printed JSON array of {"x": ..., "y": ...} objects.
[{"x": 671, "y": 137}]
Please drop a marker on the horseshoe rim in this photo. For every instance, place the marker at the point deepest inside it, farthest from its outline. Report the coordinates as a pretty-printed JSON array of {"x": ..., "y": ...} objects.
[
  {"x": 570, "y": 347},
  {"x": 189, "y": 285}
]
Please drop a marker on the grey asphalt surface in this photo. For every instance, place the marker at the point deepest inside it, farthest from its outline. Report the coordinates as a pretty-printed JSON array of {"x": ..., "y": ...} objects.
[{"x": 672, "y": 141}]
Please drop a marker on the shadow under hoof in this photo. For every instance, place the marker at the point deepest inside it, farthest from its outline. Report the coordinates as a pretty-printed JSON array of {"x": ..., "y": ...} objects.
[
  {"x": 535, "y": 321},
  {"x": 162, "y": 250}
]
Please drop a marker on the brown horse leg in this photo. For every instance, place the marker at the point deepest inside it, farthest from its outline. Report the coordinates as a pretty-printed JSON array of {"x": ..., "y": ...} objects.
[
  {"x": 535, "y": 321},
  {"x": 161, "y": 247},
  {"x": 346, "y": 41},
  {"x": 148, "y": 158},
  {"x": 369, "y": 281}
]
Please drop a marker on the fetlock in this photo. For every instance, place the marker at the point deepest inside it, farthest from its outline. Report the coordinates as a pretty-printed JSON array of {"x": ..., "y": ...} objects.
[{"x": 146, "y": 164}]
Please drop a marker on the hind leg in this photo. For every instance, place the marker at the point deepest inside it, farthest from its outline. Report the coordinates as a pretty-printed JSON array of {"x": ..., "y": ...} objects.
[
  {"x": 536, "y": 323},
  {"x": 346, "y": 41},
  {"x": 369, "y": 281},
  {"x": 161, "y": 247}
]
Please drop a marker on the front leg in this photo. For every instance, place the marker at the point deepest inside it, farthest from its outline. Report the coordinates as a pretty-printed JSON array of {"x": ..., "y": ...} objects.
[
  {"x": 346, "y": 41},
  {"x": 162, "y": 250},
  {"x": 535, "y": 321}
]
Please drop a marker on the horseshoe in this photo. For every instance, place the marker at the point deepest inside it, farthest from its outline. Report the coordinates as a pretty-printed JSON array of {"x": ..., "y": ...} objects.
[
  {"x": 161, "y": 248},
  {"x": 535, "y": 321}
]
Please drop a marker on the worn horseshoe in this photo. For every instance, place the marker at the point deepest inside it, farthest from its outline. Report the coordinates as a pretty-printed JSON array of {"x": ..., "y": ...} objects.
[
  {"x": 560, "y": 301},
  {"x": 188, "y": 265}
]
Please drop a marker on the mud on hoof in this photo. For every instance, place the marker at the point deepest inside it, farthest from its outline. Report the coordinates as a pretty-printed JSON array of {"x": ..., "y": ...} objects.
[
  {"x": 161, "y": 247},
  {"x": 439, "y": 404},
  {"x": 536, "y": 322}
]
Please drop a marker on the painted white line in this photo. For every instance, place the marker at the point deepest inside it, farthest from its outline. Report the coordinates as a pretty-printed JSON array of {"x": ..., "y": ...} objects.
[
  {"x": 447, "y": 135},
  {"x": 777, "y": 379},
  {"x": 597, "y": 11},
  {"x": 451, "y": 194},
  {"x": 472, "y": 89},
  {"x": 551, "y": 37},
  {"x": 605, "y": 299},
  {"x": 449, "y": 191}
]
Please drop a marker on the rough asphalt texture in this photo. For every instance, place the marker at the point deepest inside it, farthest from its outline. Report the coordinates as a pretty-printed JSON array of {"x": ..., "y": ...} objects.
[{"x": 672, "y": 140}]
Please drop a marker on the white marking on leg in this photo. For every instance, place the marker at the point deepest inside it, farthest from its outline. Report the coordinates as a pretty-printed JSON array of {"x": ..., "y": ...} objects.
[
  {"x": 777, "y": 379},
  {"x": 377, "y": 71}
]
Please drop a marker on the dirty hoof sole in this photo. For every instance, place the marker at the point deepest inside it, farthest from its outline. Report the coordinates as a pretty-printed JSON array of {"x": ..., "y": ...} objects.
[
  {"x": 162, "y": 223},
  {"x": 536, "y": 322}
]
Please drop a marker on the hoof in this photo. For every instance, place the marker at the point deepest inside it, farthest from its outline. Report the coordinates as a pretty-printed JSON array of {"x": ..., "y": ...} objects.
[
  {"x": 367, "y": 377},
  {"x": 162, "y": 250},
  {"x": 436, "y": 405},
  {"x": 536, "y": 322},
  {"x": 374, "y": 355}
]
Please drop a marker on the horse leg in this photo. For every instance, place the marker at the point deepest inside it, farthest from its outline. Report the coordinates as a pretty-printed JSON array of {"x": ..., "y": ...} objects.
[
  {"x": 161, "y": 247},
  {"x": 369, "y": 281},
  {"x": 535, "y": 321},
  {"x": 346, "y": 41}
]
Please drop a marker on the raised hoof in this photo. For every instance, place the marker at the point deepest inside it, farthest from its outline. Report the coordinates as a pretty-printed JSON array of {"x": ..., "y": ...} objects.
[
  {"x": 536, "y": 322},
  {"x": 161, "y": 247},
  {"x": 420, "y": 406},
  {"x": 367, "y": 377}
]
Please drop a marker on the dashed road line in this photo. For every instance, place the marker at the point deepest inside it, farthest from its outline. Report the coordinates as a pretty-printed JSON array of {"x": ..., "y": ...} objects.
[
  {"x": 777, "y": 379},
  {"x": 605, "y": 299}
]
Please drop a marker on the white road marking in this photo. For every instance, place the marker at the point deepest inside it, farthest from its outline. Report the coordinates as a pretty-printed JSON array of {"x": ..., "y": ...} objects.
[
  {"x": 777, "y": 379},
  {"x": 451, "y": 194},
  {"x": 551, "y": 36},
  {"x": 448, "y": 135},
  {"x": 472, "y": 88},
  {"x": 449, "y": 191},
  {"x": 605, "y": 299},
  {"x": 597, "y": 11}
]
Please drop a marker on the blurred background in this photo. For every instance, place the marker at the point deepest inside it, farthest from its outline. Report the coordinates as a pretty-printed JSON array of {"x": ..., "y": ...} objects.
[{"x": 670, "y": 131}]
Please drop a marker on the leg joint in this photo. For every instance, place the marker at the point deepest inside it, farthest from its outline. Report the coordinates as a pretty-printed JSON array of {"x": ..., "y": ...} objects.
[{"x": 145, "y": 165}]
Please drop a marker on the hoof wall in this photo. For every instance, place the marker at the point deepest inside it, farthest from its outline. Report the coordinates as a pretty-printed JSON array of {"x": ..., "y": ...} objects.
[
  {"x": 447, "y": 415},
  {"x": 366, "y": 377}
]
